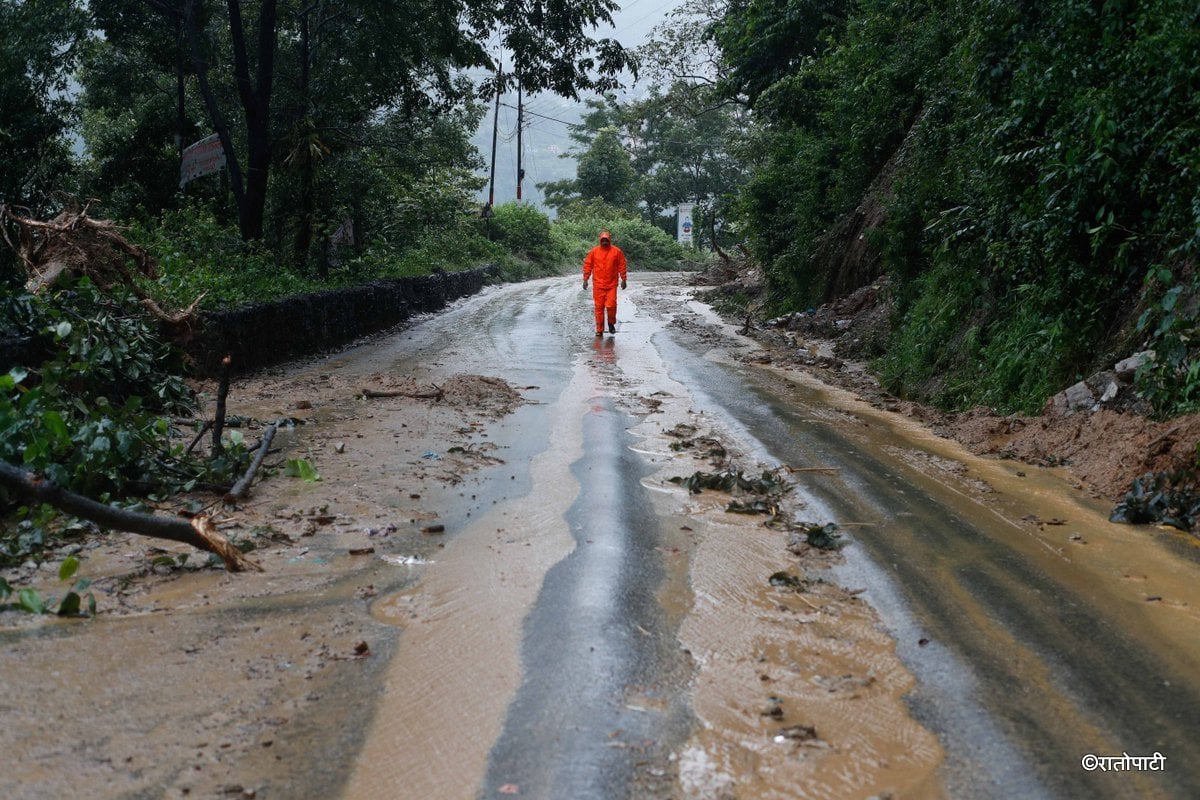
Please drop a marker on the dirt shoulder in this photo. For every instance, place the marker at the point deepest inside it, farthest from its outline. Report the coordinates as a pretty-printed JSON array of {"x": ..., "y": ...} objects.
[
  {"x": 1104, "y": 446},
  {"x": 194, "y": 682}
]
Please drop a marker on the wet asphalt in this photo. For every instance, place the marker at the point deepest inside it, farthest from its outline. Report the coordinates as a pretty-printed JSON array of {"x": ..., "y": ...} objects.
[
  {"x": 1021, "y": 670},
  {"x": 595, "y": 632}
]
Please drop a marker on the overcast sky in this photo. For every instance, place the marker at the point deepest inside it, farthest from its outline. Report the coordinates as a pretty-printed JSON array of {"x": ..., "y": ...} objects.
[{"x": 545, "y": 136}]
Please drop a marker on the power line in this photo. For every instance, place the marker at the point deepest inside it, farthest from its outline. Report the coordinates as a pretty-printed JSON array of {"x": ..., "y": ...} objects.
[{"x": 699, "y": 143}]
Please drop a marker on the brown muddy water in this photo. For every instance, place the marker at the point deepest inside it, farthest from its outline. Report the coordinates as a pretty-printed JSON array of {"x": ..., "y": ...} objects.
[{"x": 582, "y": 627}]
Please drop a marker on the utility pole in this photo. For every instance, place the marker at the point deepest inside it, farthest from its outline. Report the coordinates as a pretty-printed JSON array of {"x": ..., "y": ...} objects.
[
  {"x": 520, "y": 125},
  {"x": 488, "y": 209},
  {"x": 495, "y": 137}
]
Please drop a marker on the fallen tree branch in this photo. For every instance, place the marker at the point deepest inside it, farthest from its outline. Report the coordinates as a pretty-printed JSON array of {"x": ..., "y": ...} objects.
[
  {"x": 199, "y": 532},
  {"x": 242, "y": 487},
  {"x": 1163, "y": 436},
  {"x": 179, "y": 317},
  {"x": 437, "y": 393},
  {"x": 203, "y": 430}
]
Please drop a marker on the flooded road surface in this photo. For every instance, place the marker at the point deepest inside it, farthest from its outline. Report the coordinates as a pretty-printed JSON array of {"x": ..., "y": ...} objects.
[
  {"x": 593, "y": 631},
  {"x": 1039, "y": 633},
  {"x": 576, "y": 625}
]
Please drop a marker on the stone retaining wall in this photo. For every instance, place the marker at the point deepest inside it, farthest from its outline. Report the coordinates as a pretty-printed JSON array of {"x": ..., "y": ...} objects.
[{"x": 263, "y": 334}]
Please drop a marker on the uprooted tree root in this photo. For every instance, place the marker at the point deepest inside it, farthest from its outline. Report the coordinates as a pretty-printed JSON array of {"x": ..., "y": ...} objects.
[{"x": 74, "y": 244}]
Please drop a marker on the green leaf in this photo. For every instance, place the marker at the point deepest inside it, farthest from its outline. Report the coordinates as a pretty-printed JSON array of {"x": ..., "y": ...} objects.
[
  {"x": 56, "y": 425},
  {"x": 15, "y": 375},
  {"x": 69, "y": 605},
  {"x": 5, "y": 589},
  {"x": 69, "y": 566},
  {"x": 91, "y": 604},
  {"x": 1171, "y": 298},
  {"x": 31, "y": 601},
  {"x": 300, "y": 468}
]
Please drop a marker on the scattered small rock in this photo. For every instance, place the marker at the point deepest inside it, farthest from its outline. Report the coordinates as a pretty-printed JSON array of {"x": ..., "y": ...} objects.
[
  {"x": 775, "y": 712},
  {"x": 798, "y": 733}
]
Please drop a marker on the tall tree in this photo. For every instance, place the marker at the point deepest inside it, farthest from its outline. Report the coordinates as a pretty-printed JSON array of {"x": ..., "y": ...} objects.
[
  {"x": 405, "y": 53},
  {"x": 605, "y": 171},
  {"x": 602, "y": 113},
  {"x": 686, "y": 134},
  {"x": 39, "y": 48}
]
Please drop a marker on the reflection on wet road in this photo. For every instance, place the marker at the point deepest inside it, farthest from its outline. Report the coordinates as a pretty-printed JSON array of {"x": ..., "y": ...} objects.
[
  {"x": 1030, "y": 645},
  {"x": 594, "y": 631},
  {"x": 551, "y": 665}
]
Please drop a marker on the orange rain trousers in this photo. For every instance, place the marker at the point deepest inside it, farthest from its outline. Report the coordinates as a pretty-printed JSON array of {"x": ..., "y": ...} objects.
[{"x": 605, "y": 300}]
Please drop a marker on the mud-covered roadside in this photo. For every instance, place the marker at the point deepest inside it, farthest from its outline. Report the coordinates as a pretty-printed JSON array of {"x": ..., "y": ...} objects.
[
  {"x": 342, "y": 669},
  {"x": 1105, "y": 445},
  {"x": 196, "y": 682}
]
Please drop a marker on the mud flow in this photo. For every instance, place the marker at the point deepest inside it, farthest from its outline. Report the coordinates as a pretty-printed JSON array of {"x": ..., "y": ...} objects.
[{"x": 495, "y": 589}]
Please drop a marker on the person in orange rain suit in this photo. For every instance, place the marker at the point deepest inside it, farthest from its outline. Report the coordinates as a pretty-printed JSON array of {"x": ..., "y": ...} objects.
[{"x": 603, "y": 265}]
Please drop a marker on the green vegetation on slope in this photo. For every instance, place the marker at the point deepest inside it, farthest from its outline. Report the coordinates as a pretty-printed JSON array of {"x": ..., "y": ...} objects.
[{"x": 1037, "y": 163}]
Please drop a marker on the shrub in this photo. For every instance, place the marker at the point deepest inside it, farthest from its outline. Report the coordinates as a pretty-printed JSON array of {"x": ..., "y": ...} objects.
[
  {"x": 646, "y": 247},
  {"x": 92, "y": 413},
  {"x": 197, "y": 254},
  {"x": 526, "y": 233}
]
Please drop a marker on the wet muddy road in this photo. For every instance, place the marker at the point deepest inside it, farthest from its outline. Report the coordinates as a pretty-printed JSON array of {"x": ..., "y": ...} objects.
[
  {"x": 584, "y": 628},
  {"x": 1039, "y": 633},
  {"x": 1028, "y": 620}
]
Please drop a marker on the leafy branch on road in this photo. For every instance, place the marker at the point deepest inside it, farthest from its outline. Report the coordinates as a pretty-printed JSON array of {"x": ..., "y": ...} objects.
[
  {"x": 731, "y": 481},
  {"x": 92, "y": 407}
]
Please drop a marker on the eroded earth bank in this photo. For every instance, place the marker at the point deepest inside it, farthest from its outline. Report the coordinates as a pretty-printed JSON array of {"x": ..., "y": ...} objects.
[{"x": 499, "y": 591}]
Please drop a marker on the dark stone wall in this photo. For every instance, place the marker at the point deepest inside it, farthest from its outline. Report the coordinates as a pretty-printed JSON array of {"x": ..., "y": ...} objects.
[
  {"x": 263, "y": 334},
  {"x": 18, "y": 350}
]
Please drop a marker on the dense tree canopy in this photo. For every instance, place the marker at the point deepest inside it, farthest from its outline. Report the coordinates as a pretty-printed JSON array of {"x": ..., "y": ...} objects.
[{"x": 308, "y": 99}]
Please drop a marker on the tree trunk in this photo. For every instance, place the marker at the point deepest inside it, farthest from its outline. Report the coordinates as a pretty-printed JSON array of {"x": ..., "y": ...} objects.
[
  {"x": 220, "y": 125},
  {"x": 307, "y": 200},
  {"x": 256, "y": 103}
]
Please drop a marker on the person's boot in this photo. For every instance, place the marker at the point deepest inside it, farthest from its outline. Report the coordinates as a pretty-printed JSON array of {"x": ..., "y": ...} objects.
[
  {"x": 612, "y": 328},
  {"x": 599, "y": 334}
]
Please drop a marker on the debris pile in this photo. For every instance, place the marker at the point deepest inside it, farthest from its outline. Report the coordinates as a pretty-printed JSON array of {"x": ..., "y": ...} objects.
[{"x": 75, "y": 245}]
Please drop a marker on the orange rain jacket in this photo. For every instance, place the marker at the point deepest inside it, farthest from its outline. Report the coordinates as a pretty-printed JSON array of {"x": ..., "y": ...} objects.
[{"x": 605, "y": 266}]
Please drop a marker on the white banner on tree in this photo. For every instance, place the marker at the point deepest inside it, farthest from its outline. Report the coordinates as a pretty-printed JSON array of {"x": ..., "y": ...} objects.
[
  {"x": 683, "y": 223},
  {"x": 201, "y": 158}
]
